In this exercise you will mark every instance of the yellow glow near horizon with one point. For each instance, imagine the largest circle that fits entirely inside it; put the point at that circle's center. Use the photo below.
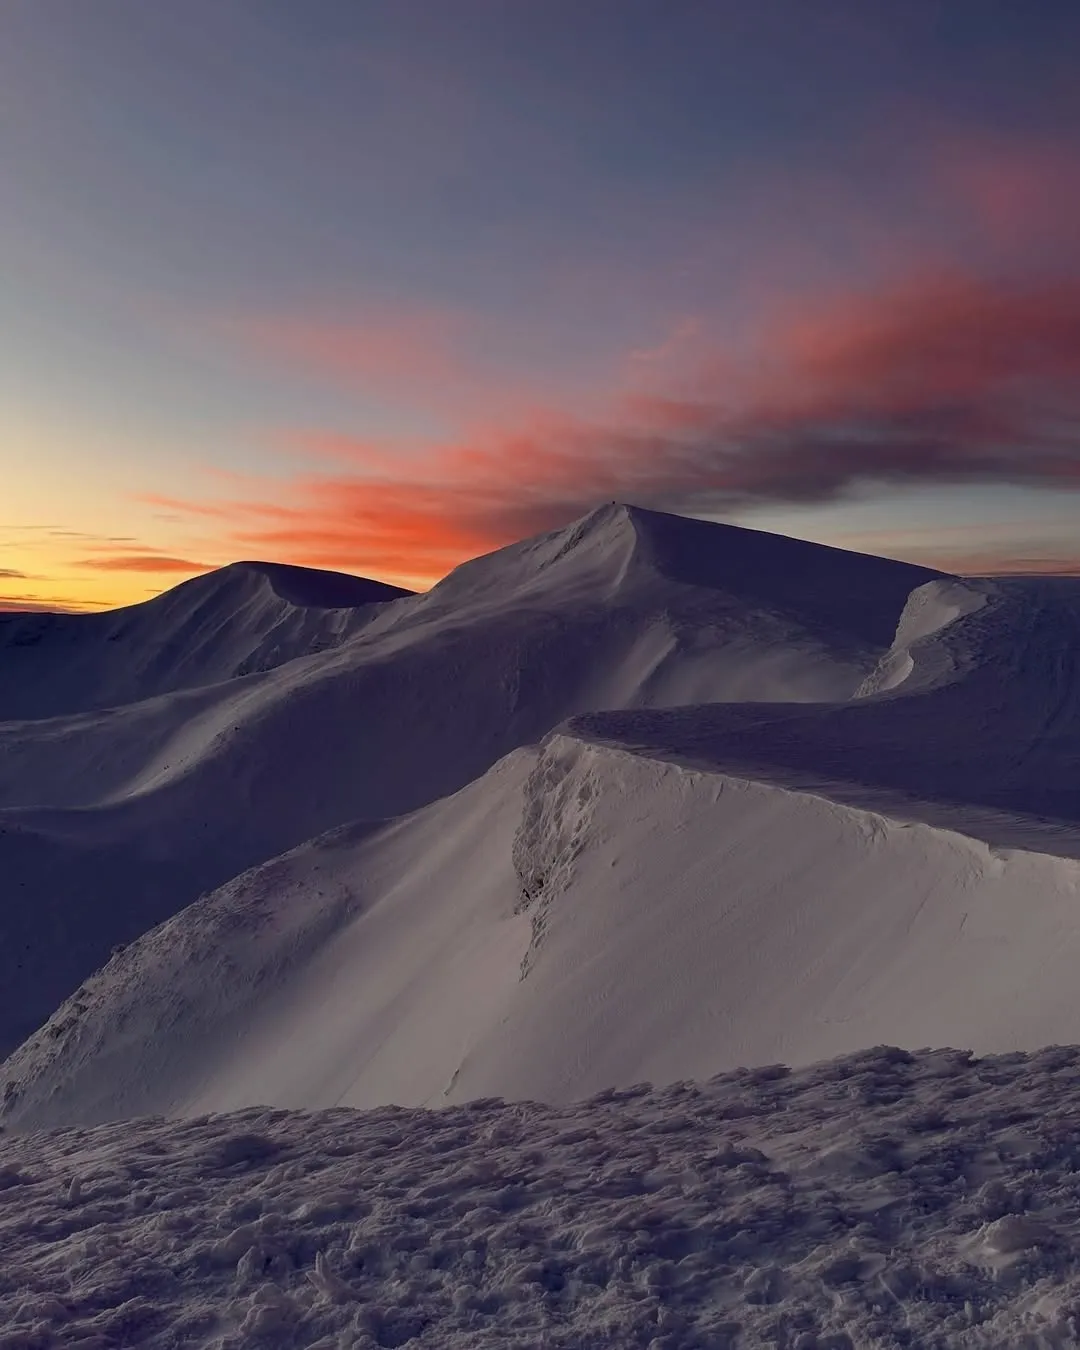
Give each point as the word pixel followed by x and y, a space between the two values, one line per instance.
pixel 66 526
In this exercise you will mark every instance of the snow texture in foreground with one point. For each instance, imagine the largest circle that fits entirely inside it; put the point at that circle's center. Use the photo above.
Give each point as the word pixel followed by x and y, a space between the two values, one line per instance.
pixel 882 1200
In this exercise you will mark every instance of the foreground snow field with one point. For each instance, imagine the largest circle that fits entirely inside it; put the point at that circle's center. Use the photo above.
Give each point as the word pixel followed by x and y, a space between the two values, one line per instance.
pixel 882 1200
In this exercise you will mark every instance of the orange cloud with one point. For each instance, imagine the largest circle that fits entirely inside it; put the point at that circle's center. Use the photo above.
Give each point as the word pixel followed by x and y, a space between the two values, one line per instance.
pixel 143 562
pixel 36 604
pixel 943 379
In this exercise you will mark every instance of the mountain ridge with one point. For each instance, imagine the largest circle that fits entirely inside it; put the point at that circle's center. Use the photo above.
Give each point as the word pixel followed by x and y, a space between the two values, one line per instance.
pixel 407 704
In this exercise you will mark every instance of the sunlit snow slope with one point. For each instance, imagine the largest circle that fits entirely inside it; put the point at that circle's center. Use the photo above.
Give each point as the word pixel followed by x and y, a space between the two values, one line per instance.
pixel 114 818
pixel 576 919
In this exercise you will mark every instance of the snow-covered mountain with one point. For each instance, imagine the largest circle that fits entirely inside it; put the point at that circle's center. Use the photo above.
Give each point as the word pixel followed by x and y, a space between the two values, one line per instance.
pixel 115 818
pixel 581 916
pixel 246 617
pixel 972 718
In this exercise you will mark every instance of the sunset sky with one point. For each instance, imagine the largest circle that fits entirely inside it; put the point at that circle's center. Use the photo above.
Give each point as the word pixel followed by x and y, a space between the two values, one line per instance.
pixel 379 286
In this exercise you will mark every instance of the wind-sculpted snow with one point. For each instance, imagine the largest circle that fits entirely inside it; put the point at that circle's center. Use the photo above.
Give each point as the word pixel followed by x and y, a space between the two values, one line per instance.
pixel 920 637
pixel 880 1202
pixel 983 736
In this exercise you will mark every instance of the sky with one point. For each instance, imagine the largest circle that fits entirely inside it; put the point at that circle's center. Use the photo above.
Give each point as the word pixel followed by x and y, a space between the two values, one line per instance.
pixel 382 286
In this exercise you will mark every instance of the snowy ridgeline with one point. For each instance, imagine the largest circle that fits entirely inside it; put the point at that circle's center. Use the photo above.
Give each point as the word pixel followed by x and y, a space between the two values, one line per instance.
pixel 580 917
pixel 878 1200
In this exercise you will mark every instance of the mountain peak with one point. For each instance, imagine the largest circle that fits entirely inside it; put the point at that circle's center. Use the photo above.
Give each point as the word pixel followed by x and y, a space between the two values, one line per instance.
pixel 618 549
pixel 312 587
pixel 611 514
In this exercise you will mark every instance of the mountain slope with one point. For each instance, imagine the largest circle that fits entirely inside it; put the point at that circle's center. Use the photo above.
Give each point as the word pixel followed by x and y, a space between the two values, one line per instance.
pixel 435 688
pixel 249 616
pixel 576 919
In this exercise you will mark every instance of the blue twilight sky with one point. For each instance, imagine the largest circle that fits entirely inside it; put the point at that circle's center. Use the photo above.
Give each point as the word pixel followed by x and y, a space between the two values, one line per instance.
pixel 382 285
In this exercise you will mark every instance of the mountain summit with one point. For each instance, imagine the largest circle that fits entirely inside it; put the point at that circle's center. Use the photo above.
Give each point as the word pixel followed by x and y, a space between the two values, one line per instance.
pixel 240 618
pixel 620 553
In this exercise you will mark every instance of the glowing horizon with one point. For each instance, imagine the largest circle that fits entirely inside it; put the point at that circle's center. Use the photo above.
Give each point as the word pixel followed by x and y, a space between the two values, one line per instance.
pixel 380 296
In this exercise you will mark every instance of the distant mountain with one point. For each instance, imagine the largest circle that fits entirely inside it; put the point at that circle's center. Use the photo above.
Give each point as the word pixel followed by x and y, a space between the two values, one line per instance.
pixel 133 808
pixel 242 618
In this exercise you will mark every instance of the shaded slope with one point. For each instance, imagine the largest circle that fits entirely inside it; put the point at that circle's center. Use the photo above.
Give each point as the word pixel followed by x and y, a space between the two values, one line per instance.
pixel 70 894
pixel 245 617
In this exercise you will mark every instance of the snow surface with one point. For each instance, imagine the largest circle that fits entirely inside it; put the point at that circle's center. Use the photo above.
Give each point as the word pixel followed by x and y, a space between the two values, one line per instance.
pixel 875 1202
pixel 114 819
pixel 652 893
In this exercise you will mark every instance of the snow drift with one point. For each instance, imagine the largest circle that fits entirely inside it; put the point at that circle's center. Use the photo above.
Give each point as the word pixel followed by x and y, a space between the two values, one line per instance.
pixel 982 731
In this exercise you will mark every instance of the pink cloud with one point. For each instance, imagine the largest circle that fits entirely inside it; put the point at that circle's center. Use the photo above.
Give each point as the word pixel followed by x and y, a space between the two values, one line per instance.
pixel 387 349
pixel 942 379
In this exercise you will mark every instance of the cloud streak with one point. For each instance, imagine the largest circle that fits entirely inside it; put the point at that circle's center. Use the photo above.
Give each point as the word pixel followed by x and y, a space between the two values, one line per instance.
pixel 36 604
pixel 143 562
pixel 944 379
